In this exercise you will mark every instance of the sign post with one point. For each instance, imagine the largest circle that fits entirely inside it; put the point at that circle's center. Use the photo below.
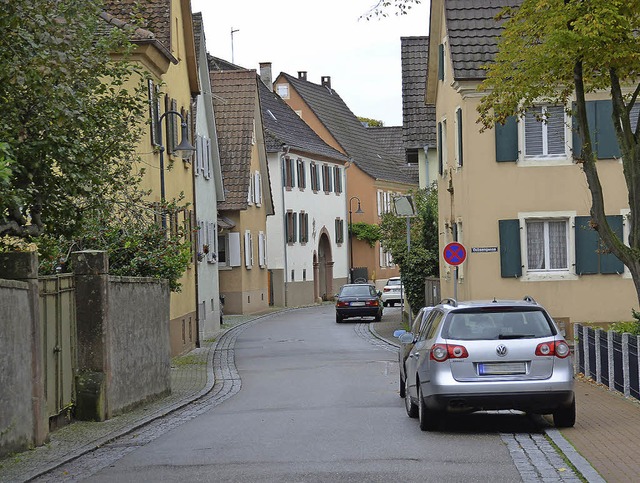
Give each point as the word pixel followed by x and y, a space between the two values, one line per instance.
pixel 454 254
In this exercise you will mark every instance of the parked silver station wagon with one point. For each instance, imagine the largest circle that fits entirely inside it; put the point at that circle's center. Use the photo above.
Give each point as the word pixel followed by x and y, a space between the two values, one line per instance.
pixel 488 355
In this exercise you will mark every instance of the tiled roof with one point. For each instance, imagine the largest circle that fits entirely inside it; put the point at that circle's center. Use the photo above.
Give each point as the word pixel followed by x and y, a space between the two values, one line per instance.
pixel 359 143
pixel 473 34
pixel 391 139
pixel 234 102
pixel 198 31
pixel 215 63
pixel 283 126
pixel 418 118
pixel 156 23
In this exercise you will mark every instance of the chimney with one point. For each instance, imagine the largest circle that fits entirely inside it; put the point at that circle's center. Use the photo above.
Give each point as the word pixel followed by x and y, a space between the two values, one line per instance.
pixel 265 74
pixel 326 81
pixel 302 75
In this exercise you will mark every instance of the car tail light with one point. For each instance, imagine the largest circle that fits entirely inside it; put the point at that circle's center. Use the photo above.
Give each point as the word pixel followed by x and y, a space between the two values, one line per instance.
pixel 442 352
pixel 342 304
pixel 557 348
pixel 386 289
pixel 372 303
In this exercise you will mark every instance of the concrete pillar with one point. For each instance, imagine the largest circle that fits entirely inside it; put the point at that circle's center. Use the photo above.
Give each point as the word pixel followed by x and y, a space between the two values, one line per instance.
pixel 91 270
pixel 23 266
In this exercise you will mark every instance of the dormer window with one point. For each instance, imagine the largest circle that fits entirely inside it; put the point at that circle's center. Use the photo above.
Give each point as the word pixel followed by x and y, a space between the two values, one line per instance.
pixel 283 90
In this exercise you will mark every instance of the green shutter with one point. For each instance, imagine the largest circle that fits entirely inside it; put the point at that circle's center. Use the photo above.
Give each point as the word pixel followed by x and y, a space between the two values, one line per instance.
pixel 591 121
pixel 606 142
pixel 459 121
pixel 507 140
pixel 587 242
pixel 510 262
pixel 609 263
pixel 441 62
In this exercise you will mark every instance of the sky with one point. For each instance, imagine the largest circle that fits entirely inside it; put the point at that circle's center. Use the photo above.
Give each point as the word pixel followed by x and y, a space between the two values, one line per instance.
pixel 324 38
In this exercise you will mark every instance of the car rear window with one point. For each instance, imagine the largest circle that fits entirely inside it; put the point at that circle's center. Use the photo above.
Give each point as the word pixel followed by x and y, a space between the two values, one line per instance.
pixel 393 282
pixel 357 291
pixel 497 325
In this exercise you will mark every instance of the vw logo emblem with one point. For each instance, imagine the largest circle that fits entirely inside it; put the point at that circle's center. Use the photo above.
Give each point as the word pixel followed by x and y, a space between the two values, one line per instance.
pixel 501 350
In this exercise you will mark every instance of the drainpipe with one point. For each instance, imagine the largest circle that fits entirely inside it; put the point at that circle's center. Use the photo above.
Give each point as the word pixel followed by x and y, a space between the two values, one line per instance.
pixel 285 148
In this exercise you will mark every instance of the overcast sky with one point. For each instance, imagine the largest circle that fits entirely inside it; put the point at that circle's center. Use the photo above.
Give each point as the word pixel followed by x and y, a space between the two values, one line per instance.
pixel 324 38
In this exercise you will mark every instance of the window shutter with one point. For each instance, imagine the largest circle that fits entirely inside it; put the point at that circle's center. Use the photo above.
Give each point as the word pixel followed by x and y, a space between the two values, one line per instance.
pixel 440 160
pixel 606 141
pixel 609 263
pixel 441 62
pixel 587 242
pixel 247 249
pixel 207 158
pixel 234 249
pixel 510 261
pixel 459 122
pixel 294 233
pixel 507 140
pixel 261 250
pixel 591 120
pixel 257 186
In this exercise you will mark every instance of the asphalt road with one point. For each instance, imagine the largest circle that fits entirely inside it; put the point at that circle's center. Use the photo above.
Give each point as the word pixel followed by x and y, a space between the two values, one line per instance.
pixel 317 401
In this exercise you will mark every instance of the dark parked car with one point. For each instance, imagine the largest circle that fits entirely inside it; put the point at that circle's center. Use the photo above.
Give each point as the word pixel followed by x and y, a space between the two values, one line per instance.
pixel 358 300
pixel 488 355
pixel 405 349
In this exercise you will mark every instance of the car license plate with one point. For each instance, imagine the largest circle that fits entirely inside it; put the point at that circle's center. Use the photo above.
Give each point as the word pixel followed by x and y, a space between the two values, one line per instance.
pixel 501 368
pixel 357 304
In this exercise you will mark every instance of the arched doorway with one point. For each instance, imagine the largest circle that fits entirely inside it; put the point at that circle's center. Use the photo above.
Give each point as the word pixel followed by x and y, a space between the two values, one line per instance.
pixel 323 268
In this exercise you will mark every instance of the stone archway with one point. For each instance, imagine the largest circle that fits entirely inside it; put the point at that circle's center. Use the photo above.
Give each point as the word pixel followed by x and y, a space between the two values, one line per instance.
pixel 323 267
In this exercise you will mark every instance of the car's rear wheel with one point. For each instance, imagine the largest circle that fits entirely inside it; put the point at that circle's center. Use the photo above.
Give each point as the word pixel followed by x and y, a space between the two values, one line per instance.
pixel 392 304
pixel 429 419
pixel 378 317
pixel 565 417
pixel 384 304
pixel 403 392
pixel 412 409
pixel 339 318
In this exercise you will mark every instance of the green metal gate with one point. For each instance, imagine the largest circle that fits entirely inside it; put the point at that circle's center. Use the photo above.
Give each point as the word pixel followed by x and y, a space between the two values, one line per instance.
pixel 58 326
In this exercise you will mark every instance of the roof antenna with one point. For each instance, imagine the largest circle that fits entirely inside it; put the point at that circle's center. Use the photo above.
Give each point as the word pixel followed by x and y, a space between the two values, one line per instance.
pixel 232 56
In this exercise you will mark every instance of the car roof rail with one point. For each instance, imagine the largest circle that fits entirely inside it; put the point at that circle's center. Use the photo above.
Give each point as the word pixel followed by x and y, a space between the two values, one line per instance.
pixel 450 301
pixel 528 298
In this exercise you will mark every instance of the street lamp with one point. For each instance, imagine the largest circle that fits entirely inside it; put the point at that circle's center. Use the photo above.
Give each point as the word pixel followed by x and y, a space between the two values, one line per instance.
pixel 358 212
pixel 183 150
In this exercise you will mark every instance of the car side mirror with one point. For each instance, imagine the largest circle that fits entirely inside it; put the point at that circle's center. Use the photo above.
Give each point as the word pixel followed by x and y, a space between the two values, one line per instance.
pixel 407 338
pixel 399 332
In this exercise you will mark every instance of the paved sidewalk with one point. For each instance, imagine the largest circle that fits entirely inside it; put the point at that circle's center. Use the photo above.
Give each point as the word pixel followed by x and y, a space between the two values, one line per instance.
pixel 607 430
pixel 606 434
pixel 191 378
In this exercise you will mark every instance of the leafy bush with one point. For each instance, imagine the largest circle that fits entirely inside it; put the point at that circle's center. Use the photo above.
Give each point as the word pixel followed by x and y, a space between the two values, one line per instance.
pixel 630 327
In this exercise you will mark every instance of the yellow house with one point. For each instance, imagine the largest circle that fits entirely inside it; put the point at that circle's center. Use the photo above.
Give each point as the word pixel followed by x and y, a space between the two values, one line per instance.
pixel 242 252
pixel 166 51
pixel 514 196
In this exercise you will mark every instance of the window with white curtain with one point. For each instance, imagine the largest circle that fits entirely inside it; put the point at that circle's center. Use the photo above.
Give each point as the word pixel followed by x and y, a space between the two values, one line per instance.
pixel 547 244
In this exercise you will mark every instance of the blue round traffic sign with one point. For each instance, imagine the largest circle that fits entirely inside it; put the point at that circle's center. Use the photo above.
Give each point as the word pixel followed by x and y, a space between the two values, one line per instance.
pixel 454 253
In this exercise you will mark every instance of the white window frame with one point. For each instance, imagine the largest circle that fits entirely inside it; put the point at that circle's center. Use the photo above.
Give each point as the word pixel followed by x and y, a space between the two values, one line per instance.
pixel 545 160
pixel 283 90
pixel 548 275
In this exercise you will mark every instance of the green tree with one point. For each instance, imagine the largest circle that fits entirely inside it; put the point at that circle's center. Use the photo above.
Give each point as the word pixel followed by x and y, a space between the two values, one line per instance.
pixel 70 124
pixel 371 122
pixel 553 50
pixel 422 258
pixel 382 7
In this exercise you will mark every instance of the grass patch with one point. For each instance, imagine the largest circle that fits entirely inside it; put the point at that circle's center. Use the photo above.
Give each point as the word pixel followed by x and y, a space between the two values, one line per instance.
pixel 566 460
pixel 188 360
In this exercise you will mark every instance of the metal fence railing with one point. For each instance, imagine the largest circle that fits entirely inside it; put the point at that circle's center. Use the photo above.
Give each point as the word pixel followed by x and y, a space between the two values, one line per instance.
pixel 609 358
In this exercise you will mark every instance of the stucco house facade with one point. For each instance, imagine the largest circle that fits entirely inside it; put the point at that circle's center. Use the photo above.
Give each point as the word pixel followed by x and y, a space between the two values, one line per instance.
pixel 307 249
pixel 373 175
pixel 242 252
pixel 165 49
pixel 515 196
pixel 209 191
